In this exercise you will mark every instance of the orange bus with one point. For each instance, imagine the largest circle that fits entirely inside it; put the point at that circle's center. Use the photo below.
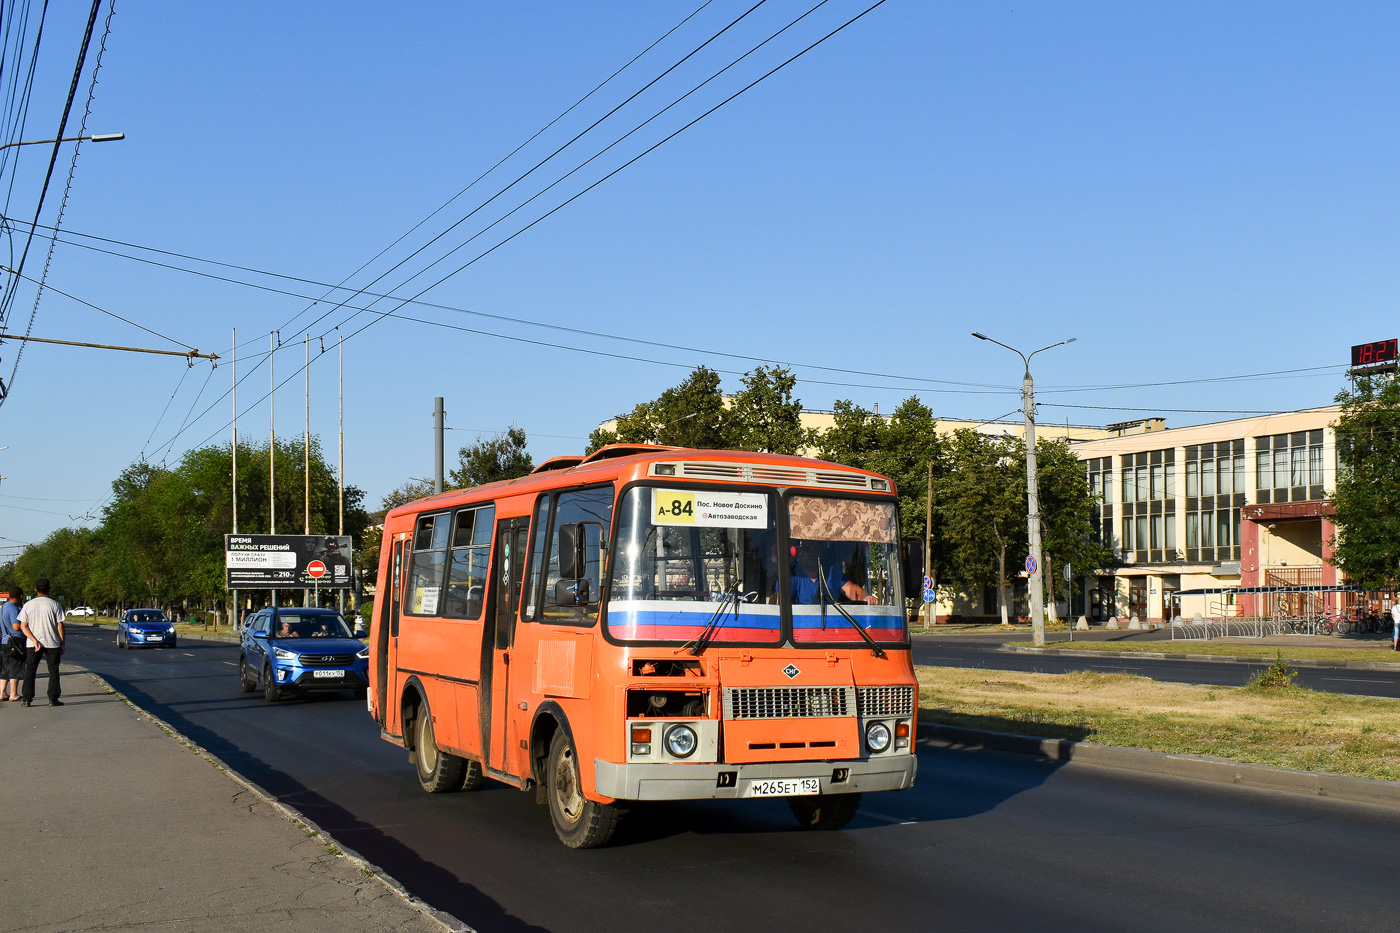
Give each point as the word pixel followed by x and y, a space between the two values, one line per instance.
pixel 651 623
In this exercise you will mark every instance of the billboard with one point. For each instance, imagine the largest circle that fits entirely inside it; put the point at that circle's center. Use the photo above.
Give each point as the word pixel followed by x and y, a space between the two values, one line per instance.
pixel 287 562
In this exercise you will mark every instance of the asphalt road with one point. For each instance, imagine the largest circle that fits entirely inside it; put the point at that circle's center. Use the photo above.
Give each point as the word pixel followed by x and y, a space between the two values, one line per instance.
pixel 985 841
pixel 983 651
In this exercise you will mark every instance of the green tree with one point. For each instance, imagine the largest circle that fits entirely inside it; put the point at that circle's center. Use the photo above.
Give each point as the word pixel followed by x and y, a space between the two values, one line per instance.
pixel 492 459
pixel 765 416
pixel 1066 508
pixel 1367 543
pixel 692 414
pixel 982 501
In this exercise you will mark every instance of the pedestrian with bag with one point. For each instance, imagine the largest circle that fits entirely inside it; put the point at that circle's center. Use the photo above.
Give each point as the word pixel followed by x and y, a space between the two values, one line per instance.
pixel 11 646
pixel 41 621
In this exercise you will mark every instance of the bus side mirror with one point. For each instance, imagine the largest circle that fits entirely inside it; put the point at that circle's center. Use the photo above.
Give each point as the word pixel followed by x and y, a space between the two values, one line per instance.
pixel 913 567
pixel 571 593
pixel 572 558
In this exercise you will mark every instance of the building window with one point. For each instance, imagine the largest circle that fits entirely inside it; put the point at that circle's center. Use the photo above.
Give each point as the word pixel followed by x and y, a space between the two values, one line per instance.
pixel 1149 505
pixel 1289 467
pixel 1100 474
pixel 1213 505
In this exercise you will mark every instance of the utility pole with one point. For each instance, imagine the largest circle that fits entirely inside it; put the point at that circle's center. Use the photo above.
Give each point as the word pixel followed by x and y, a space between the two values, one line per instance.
pixel 272 442
pixel 438 415
pixel 306 462
pixel 928 549
pixel 340 468
pixel 1034 563
pixel 234 616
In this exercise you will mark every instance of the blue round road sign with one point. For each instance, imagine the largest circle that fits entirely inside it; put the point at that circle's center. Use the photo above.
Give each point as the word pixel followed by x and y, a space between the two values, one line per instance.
pixel 929 595
pixel 1030 564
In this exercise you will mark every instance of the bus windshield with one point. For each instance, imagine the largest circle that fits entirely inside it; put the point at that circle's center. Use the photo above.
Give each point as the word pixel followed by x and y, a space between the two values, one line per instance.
pixel 844 552
pixel 683 555
pixel 692 561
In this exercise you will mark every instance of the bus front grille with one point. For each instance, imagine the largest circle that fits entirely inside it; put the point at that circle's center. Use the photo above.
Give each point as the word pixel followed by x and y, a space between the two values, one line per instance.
pixel 788 702
pixel 885 701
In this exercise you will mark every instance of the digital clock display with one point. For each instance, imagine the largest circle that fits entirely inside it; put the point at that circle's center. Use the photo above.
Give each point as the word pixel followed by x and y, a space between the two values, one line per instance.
pixel 1377 351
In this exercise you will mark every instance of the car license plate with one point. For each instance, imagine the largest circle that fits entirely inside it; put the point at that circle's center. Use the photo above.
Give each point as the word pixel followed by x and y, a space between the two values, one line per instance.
pixel 154 637
pixel 788 787
pixel 326 674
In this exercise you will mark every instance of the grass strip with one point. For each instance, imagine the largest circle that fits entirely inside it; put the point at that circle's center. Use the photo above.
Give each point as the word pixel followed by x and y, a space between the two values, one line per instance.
pixel 1287 727
pixel 1225 649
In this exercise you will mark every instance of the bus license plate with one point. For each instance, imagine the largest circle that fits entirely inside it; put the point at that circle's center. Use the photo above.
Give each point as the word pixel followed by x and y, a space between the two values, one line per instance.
pixel 320 674
pixel 793 787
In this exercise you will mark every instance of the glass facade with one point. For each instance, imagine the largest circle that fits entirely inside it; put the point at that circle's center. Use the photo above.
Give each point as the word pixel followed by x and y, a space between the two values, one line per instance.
pixel 1148 485
pixel 1215 493
pixel 1289 467
pixel 1100 476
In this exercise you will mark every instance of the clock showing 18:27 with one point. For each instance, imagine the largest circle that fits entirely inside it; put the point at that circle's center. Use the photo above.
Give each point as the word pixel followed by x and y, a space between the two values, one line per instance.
pixel 1377 351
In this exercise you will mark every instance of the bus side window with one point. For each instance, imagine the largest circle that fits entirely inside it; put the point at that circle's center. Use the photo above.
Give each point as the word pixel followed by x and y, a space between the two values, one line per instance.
pixel 540 529
pixel 588 513
pixel 428 564
pixel 466 569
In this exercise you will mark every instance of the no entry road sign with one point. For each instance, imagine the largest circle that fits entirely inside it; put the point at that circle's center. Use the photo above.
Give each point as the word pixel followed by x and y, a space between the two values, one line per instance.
pixel 316 569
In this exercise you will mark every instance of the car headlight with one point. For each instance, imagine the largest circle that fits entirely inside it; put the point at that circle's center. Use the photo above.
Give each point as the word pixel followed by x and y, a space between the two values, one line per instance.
pixel 363 652
pixel 877 737
pixel 681 741
pixel 282 654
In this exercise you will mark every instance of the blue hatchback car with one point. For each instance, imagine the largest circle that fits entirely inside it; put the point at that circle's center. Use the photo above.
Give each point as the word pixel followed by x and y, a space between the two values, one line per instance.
pixel 145 628
pixel 300 651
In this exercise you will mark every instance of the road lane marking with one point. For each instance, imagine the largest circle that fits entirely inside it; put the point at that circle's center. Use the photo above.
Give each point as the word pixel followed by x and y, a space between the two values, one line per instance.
pixel 229 663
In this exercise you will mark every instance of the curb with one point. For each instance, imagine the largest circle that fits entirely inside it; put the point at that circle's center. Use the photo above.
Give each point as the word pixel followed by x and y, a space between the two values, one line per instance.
pixel 1209 658
pixel 442 918
pixel 1194 767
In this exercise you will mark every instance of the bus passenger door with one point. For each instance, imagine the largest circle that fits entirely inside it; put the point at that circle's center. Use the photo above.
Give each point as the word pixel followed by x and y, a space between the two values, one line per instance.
pixel 508 575
pixel 386 636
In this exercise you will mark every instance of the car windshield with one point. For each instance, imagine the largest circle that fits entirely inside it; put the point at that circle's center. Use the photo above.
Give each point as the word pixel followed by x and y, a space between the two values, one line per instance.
pixel 146 615
pixel 846 552
pixel 310 625
pixel 691 561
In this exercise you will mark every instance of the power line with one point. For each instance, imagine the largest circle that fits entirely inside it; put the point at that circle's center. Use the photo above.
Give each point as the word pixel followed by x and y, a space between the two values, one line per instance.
pixel 43 191
pixel 94 307
pixel 570 109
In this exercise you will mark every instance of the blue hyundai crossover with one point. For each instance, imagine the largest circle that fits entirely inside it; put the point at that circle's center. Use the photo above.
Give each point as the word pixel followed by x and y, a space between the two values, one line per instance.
pixel 145 628
pixel 301 651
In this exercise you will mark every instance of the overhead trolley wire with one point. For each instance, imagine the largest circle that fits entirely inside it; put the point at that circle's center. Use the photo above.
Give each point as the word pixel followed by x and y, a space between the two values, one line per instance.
pixel 579 167
pixel 68 184
pixel 536 166
pixel 570 109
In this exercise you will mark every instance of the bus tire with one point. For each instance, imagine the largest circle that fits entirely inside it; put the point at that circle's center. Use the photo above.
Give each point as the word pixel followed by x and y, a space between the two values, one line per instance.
pixel 473 775
pixel 824 811
pixel 579 823
pixel 438 772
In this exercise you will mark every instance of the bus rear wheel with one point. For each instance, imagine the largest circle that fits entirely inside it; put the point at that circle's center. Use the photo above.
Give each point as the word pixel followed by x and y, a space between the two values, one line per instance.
pixel 438 771
pixel 579 823
pixel 473 775
pixel 824 811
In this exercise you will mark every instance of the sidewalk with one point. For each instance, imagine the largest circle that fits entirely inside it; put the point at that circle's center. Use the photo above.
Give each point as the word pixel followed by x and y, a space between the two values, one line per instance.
pixel 112 823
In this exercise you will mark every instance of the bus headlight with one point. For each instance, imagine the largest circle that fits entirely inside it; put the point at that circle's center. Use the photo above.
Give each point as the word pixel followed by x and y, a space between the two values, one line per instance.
pixel 681 741
pixel 877 737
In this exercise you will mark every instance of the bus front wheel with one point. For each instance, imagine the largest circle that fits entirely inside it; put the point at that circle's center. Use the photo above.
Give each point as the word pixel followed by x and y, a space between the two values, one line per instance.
pixel 438 771
pixel 579 823
pixel 824 811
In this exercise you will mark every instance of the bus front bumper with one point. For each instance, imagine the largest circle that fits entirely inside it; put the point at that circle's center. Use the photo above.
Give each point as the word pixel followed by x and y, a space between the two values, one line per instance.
pixel 676 781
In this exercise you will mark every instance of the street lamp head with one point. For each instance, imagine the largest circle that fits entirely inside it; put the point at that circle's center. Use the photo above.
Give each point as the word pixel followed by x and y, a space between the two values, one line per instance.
pixel 106 137
pixel 980 336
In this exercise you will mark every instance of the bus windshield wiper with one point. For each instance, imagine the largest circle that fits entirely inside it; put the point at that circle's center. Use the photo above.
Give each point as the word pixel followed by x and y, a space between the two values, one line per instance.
pixel 824 594
pixel 698 643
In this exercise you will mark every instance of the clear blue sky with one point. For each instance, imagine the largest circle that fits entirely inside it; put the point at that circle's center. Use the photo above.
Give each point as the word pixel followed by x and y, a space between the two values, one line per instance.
pixel 1192 190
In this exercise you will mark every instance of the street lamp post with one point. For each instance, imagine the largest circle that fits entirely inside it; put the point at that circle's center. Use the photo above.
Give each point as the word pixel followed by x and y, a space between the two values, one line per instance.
pixel 1037 563
pixel 93 137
